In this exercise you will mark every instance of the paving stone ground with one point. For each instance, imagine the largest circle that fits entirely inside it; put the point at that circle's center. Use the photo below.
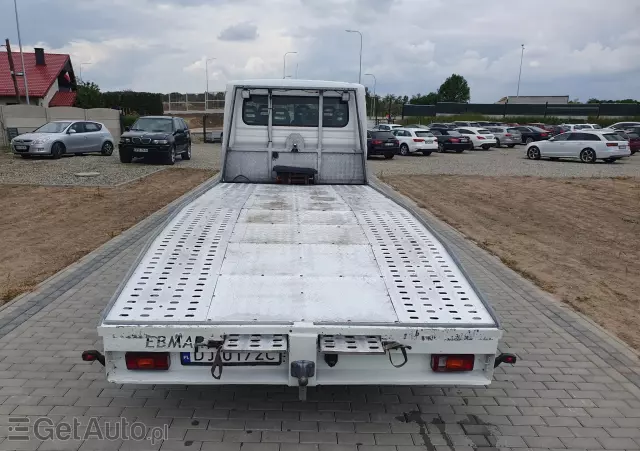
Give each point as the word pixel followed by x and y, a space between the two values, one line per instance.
pixel 573 388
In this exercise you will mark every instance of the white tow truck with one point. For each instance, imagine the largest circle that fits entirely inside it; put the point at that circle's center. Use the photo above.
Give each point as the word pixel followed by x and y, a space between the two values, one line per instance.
pixel 295 269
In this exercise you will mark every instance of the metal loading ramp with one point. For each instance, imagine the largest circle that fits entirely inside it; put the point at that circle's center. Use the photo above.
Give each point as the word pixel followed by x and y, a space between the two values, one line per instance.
pixel 244 253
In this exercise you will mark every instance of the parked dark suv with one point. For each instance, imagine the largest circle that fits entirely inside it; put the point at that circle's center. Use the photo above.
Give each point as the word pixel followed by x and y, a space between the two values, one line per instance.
pixel 149 136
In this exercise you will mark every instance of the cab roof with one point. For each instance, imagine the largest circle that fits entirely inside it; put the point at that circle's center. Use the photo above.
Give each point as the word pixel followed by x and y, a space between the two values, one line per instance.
pixel 294 83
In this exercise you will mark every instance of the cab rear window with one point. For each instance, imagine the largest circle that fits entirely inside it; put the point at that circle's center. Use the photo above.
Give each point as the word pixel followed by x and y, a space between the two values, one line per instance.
pixel 295 111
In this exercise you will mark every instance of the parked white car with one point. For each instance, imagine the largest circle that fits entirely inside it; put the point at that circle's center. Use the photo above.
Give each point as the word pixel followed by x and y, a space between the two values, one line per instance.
pixel 586 145
pixel 414 140
pixel 386 127
pixel 480 137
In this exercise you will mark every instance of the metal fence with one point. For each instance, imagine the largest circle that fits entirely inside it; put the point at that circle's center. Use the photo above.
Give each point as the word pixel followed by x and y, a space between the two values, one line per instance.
pixel 515 109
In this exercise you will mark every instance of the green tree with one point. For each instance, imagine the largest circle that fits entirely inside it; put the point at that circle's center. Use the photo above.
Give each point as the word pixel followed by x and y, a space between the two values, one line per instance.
pixel 454 89
pixel 429 99
pixel 88 95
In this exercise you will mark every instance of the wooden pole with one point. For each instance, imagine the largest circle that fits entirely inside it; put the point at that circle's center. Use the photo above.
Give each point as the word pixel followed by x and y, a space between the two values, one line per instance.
pixel 12 70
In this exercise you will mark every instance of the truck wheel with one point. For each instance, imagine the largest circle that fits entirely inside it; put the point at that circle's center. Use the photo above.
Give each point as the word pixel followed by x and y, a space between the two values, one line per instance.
pixel 388 156
pixel 404 150
pixel 187 155
pixel 107 149
pixel 125 156
pixel 57 150
pixel 426 153
pixel 170 157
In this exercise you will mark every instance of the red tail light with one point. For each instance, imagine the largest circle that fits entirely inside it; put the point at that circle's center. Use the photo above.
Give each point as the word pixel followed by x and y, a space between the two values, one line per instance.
pixel 418 140
pixel 480 137
pixel 147 360
pixel 543 134
pixel 612 144
pixel 442 363
pixel 455 140
pixel 397 143
pixel 376 142
pixel 508 134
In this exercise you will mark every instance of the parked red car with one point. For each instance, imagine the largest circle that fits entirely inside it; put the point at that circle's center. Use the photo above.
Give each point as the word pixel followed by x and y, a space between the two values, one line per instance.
pixel 634 139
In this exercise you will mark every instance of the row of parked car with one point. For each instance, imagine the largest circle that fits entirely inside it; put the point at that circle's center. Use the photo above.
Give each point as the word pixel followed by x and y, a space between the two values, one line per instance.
pixel 588 142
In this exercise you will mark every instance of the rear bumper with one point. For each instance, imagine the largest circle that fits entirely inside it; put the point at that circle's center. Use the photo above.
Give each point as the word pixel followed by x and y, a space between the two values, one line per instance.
pixel 303 344
pixel 417 147
pixel 383 150
pixel 613 153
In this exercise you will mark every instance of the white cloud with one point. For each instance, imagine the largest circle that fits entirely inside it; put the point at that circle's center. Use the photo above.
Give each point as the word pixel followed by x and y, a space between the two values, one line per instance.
pixel 586 51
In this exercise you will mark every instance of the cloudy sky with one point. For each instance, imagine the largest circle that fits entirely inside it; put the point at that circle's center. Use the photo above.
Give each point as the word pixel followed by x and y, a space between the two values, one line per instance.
pixel 581 48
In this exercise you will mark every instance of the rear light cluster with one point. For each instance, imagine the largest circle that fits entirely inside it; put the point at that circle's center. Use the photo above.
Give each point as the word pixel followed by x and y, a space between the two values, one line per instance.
pixel 508 134
pixel 418 140
pixel 455 140
pixel 481 137
pixel 376 142
pixel 147 360
pixel 612 144
pixel 397 143
pixel 446 363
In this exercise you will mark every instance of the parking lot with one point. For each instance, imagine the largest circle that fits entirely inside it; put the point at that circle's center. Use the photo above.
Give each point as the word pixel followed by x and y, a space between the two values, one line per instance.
pixel 574 387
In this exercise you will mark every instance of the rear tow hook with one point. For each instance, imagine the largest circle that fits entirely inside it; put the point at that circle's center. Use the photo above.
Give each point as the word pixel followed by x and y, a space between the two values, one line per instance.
pixel 303 370
pixel 505 358
pixel 92 356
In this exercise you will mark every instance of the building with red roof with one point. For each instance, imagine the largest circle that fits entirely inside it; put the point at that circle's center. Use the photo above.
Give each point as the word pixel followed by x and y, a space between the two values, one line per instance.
pixel 50 79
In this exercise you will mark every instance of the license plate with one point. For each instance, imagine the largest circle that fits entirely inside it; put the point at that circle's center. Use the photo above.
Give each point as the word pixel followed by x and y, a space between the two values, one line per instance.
pixel 622 147
pixel 231 358
pixel 429 142
pixel 388 144
pixel 137 149
pixel 21 147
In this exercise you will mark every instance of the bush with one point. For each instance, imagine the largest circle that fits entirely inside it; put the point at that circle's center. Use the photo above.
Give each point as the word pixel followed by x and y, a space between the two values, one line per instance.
pixel 128 120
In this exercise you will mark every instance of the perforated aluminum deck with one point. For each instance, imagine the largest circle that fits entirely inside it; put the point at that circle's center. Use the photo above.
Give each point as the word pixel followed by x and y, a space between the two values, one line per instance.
pixel 351 344
pixel 262 343
pixel 281 254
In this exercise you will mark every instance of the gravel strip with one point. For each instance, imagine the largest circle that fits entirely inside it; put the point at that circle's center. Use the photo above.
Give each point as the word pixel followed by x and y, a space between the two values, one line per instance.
pixel 46 171
pixel 498 162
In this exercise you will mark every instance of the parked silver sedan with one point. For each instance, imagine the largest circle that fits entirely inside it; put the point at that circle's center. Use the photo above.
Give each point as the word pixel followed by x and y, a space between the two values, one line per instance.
pixel 507 136
pixel 64 137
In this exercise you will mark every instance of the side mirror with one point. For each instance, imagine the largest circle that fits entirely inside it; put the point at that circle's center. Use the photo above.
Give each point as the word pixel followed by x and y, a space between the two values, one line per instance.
pixel 126 129
pixel 71 131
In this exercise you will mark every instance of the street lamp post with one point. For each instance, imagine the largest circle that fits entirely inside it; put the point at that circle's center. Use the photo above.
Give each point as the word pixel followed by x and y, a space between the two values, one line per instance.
pixel 375 82
pixel 360 72
pixel 206 72
pixel 520 73
pixel 82 64
pixel 284 63
pixel 24 71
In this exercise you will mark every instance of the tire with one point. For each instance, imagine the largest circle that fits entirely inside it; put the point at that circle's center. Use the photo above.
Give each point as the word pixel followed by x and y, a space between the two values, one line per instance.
pixel 472 147
pixel 533 153
pixel 125 156
pixel 588 155
pixel 57 149
pixel 441 147
pixel 610 160
pixel 497 142
pixel 426 153
pixel 187 154
pixel 459 150
pixel 404 150
pixel 388 156
pixel 486 147
pixel 529 140
pixel 107 149
pixel 511 146
pixel 554 158
pixel 170 157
